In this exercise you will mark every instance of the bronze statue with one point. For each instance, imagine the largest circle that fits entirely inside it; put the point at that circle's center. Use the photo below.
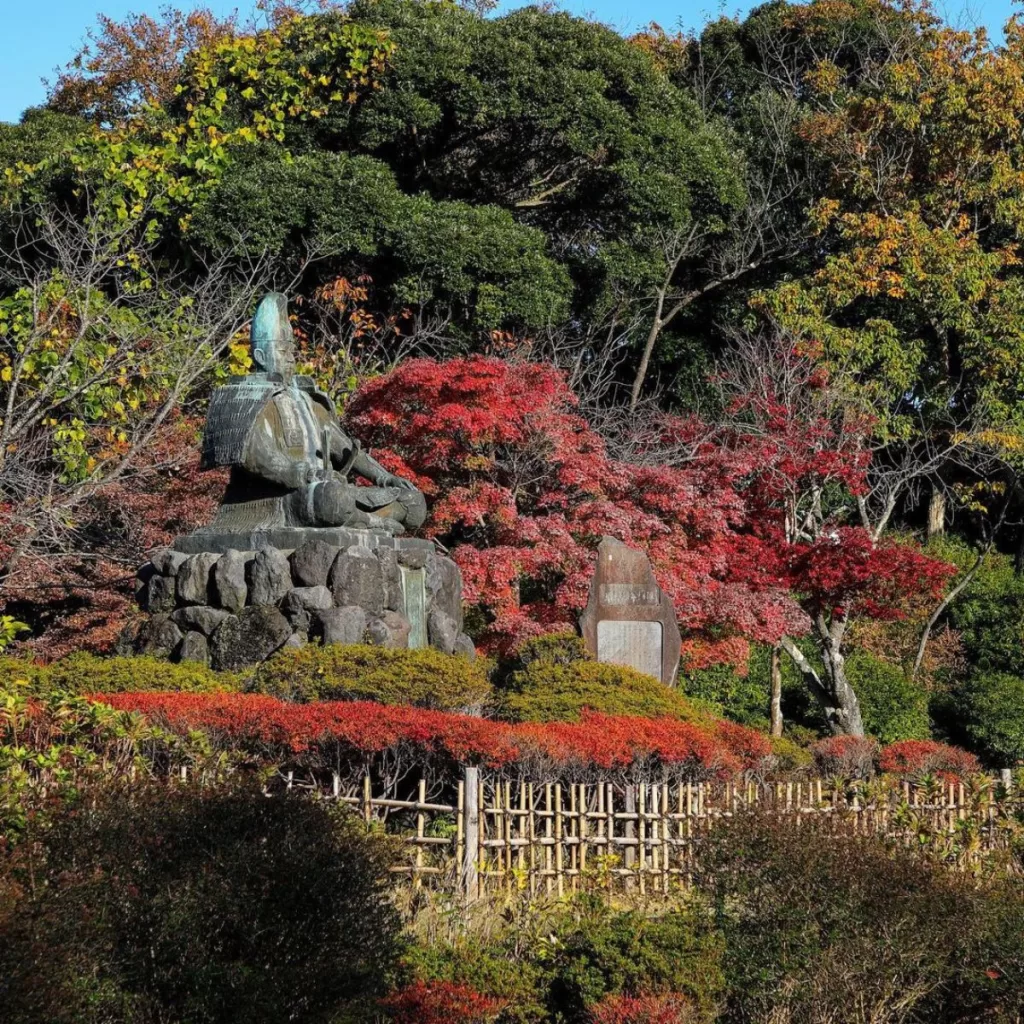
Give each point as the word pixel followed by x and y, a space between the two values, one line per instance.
pixel 290 460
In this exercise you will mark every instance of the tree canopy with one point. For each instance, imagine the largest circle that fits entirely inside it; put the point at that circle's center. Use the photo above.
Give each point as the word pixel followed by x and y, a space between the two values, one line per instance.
pixel 750 298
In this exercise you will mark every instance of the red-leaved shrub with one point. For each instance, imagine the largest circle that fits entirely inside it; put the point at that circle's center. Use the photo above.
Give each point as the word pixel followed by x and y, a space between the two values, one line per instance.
pixel 671 1008
pixel 357 733
pixel 848 757
pixel 441 1002
pixel 916 758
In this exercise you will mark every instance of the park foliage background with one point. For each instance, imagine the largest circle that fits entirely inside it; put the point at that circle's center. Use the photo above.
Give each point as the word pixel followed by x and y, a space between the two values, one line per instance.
pixel 750 300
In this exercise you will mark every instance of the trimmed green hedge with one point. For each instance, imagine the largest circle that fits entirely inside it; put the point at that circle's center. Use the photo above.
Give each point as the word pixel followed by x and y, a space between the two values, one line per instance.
pixel 89 673
pixel 552 680
pixel 424 678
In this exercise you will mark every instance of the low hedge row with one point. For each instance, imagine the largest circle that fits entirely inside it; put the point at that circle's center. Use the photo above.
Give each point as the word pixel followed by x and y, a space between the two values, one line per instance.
pixel 358 733
pixel 551 680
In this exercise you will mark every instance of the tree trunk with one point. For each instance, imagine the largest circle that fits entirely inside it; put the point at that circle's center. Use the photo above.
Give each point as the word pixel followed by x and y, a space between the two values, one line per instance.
pixel 645 358
pixel 844 717
pixel 936 513
pixel 776 705
pixel 834 693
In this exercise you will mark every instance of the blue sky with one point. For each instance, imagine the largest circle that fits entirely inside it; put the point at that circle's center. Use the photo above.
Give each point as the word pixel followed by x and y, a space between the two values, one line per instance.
pixel 39 36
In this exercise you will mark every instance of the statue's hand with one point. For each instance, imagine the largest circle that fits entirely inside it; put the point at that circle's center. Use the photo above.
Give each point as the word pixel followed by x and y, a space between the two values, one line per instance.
pixel 399 481
pixel 386 479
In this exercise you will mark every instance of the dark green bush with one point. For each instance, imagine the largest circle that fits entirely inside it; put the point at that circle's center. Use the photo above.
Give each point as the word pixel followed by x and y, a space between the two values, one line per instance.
pixel 425 677
pixel 555 966
pixel 611 952
pixel 894 707
pixel 744 697
pixel 166 904
pixel 989 614
pixel 991 706
pixel 492 967
pixel 738 697
pixel 820 925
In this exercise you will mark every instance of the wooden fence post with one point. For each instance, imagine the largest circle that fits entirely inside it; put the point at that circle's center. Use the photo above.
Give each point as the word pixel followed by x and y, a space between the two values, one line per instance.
pixel 629 860
pixel 469 868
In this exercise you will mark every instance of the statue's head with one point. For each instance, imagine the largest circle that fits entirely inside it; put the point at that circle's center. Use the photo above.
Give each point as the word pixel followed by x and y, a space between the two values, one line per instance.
pixel 271 340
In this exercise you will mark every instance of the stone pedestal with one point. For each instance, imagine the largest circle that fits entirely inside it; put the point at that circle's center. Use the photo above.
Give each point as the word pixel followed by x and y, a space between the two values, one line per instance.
pixel 628 620
pixel 230 599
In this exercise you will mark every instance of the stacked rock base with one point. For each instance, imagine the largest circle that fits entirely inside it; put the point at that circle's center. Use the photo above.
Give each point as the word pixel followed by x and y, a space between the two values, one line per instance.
pixel 234 607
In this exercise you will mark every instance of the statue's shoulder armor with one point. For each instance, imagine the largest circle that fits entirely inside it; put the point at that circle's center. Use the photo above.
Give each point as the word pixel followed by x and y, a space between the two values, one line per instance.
pixel 308 385
pixel 233 410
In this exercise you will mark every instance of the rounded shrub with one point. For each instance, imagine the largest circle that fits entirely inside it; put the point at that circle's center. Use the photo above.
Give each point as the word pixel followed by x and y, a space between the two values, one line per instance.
pixel 84 673
pixel 212 905
pixel 740 696
pixel 545 692
pixel 488 966
pixel 846 757
pixel 789 756
pixel 424 678
pixel 549 649
pixel 992 713
pixel 609 953
pixel 917 759
pixel 820 924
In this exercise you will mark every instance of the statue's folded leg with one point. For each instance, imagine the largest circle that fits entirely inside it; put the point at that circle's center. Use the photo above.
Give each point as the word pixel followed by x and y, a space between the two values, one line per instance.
pixel 326 503
pixel 403 504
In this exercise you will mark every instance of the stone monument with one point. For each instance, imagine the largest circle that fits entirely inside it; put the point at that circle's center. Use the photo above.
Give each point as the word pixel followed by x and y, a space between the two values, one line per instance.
pixel 629 620
pixel 299 548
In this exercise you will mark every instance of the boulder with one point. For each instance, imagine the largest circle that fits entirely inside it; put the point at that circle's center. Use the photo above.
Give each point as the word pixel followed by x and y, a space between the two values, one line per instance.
pixel 414 557
pixel 299 602
pixel 195 647
pixel 160 595
pixel 229 586
pixel 142 578
pixel 270 577
pixel 194 578
pixel 167 561
pixel 159 638
pixel 465 647
pixel 341 625
pixel 390 630
pixel 443 631
pixel 248 638
pixel 313 599
pixel 444 587
pixel 311 563
pixel 356 579
pixel 200 617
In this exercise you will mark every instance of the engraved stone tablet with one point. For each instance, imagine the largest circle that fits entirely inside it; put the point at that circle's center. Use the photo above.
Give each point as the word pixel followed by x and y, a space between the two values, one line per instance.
pixel 633 644
pixel 629 621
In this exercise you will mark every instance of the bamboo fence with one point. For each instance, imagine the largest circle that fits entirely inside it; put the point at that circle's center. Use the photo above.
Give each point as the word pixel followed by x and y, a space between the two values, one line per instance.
pixel 556 838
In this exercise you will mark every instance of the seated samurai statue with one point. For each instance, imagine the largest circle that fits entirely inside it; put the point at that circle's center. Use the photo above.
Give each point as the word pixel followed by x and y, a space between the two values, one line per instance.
pixel 291 463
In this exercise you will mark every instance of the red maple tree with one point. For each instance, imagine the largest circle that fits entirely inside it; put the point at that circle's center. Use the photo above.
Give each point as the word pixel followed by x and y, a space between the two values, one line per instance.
pixel 523 490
